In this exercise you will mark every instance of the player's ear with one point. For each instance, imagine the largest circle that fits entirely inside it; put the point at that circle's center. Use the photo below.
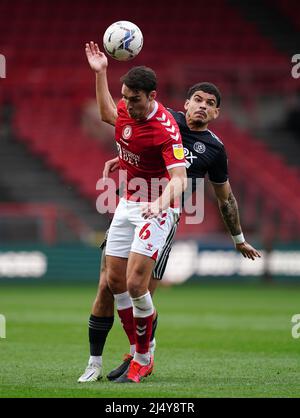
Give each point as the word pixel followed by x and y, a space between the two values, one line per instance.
pixel 217 112
pixel 186 104
pixel 152 95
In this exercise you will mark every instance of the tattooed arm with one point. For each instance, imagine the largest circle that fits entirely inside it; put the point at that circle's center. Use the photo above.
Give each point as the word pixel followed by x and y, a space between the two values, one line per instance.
pixel 230 214
pixel 228 207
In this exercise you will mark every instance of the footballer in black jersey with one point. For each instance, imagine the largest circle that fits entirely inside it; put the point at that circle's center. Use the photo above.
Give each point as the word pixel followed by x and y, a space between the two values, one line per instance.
pixel 204 154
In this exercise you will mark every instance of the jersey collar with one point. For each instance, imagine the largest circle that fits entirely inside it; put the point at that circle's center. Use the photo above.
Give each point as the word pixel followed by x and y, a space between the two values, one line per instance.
pixel 153 111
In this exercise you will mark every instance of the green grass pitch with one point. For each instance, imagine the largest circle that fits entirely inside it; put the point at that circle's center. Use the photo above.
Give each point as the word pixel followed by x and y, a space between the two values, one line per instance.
pixel 212 341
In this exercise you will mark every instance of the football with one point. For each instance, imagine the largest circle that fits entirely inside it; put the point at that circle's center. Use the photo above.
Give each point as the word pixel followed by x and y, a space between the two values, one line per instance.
pixel 123 40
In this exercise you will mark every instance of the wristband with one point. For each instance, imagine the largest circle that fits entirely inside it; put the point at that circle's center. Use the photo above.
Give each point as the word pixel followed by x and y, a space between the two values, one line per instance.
pixel 238 239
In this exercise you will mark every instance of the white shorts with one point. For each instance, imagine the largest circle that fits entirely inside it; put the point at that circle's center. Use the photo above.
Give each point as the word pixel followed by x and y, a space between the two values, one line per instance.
pixel 129 231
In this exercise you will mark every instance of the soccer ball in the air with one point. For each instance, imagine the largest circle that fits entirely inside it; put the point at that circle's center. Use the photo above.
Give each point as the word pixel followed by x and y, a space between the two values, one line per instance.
pixel 123 40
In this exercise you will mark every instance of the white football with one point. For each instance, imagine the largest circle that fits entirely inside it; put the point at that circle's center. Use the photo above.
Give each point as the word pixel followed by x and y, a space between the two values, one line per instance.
pixel 123 40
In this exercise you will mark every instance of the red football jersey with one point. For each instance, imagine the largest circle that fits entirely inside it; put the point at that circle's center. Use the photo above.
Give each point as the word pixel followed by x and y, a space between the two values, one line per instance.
pixel 147 149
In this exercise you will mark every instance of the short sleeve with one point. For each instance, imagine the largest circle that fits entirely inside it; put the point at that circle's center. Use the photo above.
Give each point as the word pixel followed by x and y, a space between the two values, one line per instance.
pixel 173 152
pixel 218 171
pixel 172 148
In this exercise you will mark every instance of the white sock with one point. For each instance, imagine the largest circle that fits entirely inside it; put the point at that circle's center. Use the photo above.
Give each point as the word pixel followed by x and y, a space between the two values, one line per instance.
pixel 95 360
pixel 123 300
pixel 142 306
pixel 142 359
pixel 132 349
pixel 152 346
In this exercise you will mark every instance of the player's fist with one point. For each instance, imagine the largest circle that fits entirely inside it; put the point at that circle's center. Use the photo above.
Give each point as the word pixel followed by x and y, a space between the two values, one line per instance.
pixel 96 58
pixel 110 166
pixel 151 210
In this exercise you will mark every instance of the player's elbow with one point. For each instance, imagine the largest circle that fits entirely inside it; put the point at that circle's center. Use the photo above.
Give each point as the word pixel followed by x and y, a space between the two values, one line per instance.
pixel 107 115
pixel 183 179
pixel 182 183
pixel 180 174
pixel 222 201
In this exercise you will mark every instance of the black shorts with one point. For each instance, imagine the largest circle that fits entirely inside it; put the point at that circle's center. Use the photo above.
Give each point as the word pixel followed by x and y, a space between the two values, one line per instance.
pixel 161 263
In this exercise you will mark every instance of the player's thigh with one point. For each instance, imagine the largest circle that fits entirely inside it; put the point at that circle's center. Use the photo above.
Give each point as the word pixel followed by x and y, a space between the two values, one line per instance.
pixel 121 233
pixel 151 234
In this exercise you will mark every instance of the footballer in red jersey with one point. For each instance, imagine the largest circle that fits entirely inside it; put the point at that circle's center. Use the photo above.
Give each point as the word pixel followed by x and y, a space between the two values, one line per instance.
pixel 150 148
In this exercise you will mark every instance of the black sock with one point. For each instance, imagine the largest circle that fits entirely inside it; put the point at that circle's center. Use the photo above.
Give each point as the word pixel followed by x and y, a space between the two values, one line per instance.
pixel 154 325
pixel 99 327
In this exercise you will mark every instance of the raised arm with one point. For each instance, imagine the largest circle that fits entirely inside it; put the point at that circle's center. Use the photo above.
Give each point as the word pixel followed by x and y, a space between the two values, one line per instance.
pixel 230 214
pixel 98 63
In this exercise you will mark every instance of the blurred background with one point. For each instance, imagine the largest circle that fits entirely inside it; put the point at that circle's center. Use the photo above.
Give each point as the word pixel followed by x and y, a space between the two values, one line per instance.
pixel 53 145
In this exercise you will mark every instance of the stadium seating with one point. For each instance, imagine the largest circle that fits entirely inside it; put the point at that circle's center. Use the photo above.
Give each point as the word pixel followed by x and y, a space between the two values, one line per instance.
pixel 268 186
pixel 49 79
pixel 291 10
pixel 47 38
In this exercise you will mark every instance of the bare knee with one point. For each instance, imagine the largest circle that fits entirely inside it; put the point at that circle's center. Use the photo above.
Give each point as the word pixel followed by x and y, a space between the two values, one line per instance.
pixel 116 286
pixel 116 274
pixel 136 284
pixel 138 274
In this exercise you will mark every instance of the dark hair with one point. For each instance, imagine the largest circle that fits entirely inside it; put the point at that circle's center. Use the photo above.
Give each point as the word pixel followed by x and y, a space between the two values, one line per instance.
pixel 209 88
pixel 140 78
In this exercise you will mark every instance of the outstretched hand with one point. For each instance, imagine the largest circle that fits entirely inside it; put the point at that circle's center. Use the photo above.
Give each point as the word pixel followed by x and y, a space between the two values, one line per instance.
pixel 97 60
pixel 247 250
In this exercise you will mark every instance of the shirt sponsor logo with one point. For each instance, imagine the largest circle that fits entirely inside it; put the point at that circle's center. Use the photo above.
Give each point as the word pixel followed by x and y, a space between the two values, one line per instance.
pixel 199 147
pixel 189 157
pixel 128 156
pixel 178 151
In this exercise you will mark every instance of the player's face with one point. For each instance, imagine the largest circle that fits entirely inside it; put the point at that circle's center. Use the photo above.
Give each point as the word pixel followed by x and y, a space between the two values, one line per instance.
pixel 201 108
pixel 138 104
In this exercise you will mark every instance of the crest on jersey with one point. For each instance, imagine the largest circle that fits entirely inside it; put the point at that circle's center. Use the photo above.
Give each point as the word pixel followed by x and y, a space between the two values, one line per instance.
pixel 127 132
pixel 178 151
pixel 199 147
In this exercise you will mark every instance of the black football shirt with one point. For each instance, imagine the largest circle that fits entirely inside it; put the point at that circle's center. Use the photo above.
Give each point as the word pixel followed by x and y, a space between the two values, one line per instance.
pixel 204 152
